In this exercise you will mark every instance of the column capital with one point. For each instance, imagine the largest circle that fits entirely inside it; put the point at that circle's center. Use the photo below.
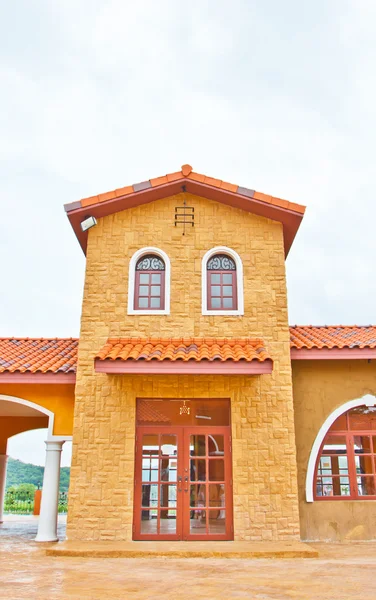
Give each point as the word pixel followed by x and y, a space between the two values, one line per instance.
pixel 53 446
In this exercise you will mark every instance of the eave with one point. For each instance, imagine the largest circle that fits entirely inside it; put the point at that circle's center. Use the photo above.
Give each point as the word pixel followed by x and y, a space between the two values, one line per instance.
pixel 333 353
pixel 180 367
pixel 243 199
pixel 38 378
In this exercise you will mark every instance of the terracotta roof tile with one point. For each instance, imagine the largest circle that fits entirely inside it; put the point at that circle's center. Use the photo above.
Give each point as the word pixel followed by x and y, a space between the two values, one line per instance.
pixel 333 336
pixel 38 355
pixel 187 172
pixel 59 355
pixel 185 349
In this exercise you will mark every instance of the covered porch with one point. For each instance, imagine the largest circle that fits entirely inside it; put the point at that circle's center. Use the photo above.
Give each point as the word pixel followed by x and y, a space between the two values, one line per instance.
pixel 37 379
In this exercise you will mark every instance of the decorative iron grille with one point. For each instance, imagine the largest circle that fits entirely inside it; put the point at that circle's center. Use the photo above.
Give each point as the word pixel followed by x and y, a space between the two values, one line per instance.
pixel 221 262
pixel 150 263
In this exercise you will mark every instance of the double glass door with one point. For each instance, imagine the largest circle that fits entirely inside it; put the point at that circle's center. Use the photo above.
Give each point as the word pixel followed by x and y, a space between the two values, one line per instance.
pixel 183 488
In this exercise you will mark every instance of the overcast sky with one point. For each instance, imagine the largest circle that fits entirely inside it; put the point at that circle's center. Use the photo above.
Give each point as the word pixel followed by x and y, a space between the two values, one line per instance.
pixel 275 96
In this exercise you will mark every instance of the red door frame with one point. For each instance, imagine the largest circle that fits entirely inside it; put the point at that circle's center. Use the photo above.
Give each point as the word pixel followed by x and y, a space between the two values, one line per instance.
pixel 183 508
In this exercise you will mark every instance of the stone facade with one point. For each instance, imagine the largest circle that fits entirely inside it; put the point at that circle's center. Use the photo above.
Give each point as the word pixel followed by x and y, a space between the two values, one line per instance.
pixel 263 441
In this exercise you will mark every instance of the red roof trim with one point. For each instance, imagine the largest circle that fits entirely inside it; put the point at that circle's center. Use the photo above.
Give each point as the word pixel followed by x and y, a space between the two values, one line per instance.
pixel 45 378
pixel 333 353
pixel 181 367
pixel 288 216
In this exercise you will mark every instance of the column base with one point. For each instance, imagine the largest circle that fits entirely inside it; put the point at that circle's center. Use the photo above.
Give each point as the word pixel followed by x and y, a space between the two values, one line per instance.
pixel 45 538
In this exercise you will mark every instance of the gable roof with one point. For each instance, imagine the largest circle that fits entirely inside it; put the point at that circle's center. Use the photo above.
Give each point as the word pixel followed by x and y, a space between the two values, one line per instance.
pixel 287 213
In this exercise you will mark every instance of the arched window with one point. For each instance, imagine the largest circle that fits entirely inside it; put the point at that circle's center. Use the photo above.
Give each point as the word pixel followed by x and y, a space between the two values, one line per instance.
pixel 149 282
pixel 222 282
pixel 346 463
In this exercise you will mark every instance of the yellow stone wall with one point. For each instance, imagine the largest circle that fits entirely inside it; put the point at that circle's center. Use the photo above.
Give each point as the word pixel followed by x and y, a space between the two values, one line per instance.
pixel 264 461
pixel 319 388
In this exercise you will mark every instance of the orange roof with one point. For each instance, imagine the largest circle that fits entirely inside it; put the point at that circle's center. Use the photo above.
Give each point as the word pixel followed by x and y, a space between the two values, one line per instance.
pixel 185 349
pixel 288 213
pixel 333 336
pixel 59 355
pixel 187 172
pixel 38 355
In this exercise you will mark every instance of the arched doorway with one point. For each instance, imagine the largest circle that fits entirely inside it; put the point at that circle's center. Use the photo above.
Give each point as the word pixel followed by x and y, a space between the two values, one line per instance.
pixel 18 415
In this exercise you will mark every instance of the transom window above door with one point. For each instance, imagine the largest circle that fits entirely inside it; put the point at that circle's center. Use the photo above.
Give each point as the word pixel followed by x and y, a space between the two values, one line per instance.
pixel 149 283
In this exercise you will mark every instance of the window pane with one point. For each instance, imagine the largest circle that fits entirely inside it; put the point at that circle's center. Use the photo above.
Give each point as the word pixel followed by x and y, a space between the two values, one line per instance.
pixel 198 496
pixel 215 290
pixel 197 445
pixel 156 278
pixel 143 290
pixel 216 278
pixel 155 290
pixel 155 302
pixel 168 469
pixel 150 495
pixel 150 445
pixel 364 465
pixel 215 303
pixel 144 278
pixel 216 470
pixel 143 302
pixel 226 278
pixel 217 522
pixel 333 465
pixel 335 444
pixel 148 522
pixel 169 445
pixel 333 486
pixel 227 290
pixel 362 444
pixel 216 444
pixel 217 495
pixel 227 302
pixel 366 486
pixel 168 522
pixel 198 469
pixel 198 522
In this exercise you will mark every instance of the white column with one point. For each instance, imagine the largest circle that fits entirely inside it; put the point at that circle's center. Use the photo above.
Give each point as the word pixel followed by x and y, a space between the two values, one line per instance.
pixel 47 526
pixel 3 478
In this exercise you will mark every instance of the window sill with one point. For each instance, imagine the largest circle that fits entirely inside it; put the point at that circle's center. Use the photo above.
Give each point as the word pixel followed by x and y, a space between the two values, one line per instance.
pixel 227 313
pixel 148 312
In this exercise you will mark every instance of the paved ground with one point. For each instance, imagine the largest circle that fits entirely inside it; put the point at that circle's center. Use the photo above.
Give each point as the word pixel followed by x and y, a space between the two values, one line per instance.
pixel 342 572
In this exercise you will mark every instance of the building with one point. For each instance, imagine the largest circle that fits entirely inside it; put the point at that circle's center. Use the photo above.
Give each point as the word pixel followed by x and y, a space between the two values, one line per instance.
pixel 196 412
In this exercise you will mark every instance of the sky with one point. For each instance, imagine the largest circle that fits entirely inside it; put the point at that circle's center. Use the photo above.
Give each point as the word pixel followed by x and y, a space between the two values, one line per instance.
pixel 274 96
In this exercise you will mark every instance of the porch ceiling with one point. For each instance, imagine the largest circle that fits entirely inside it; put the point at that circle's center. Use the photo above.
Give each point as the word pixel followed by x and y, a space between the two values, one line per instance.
pixel 14 409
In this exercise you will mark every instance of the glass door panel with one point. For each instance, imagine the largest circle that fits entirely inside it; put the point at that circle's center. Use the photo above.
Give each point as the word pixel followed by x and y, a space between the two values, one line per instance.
pixel 156 485
pixel 183 484
pixel 207 461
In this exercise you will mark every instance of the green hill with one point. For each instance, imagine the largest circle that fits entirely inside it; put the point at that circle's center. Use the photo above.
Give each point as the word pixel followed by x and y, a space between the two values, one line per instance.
pixel 20 472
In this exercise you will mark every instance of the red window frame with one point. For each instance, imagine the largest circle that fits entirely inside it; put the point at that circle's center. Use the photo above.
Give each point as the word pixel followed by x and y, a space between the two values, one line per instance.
pixel 221 285
pixel 149 285
pixel 356 478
